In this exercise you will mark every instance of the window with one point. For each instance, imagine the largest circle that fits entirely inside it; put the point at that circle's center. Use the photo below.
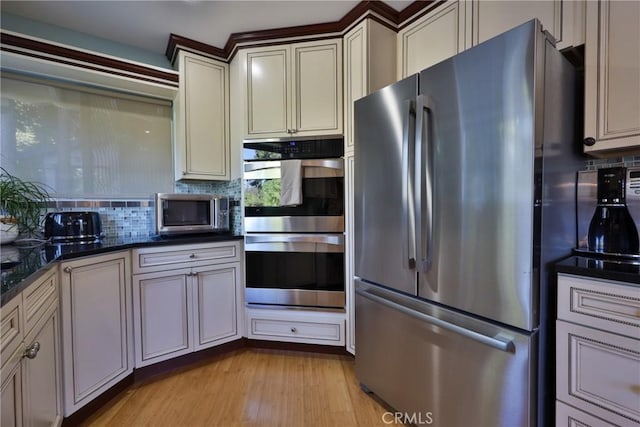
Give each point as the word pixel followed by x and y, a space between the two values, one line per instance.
pixel 85 143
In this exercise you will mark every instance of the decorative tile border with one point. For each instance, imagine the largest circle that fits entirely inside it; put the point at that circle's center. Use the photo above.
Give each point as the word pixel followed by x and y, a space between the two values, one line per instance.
pixel 628 161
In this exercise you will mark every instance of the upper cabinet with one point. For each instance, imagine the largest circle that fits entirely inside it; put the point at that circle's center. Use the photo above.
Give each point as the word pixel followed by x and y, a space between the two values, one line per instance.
pixel 457 25
pixel 563 19
pixel 438 35
pixel 369 54
pixel 294 89
pixel 201 112
pixel 612 78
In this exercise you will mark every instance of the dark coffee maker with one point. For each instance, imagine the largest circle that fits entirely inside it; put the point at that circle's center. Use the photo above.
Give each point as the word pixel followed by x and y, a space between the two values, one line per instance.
pixel 612 229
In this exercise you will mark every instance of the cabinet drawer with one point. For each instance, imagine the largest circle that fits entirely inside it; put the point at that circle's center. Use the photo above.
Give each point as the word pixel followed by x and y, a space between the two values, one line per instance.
pixel 598 372
pixel 311 327
pixel 156 259
pixel 568 416
pixel 38 297
pixel 11 328
pixel 607 305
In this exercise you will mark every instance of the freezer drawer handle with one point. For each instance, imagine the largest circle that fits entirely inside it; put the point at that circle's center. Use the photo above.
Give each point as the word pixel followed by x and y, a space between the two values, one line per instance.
pixel 503 343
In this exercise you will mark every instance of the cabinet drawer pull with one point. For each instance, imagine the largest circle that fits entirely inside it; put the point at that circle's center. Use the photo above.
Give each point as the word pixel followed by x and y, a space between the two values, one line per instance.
pixel 32 352
pixel 294 330
pixel 192 256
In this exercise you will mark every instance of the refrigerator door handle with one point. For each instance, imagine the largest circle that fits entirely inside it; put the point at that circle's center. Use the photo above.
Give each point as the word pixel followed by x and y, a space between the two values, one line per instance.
pixel 501 341
pixel 424 185
pixel 408 208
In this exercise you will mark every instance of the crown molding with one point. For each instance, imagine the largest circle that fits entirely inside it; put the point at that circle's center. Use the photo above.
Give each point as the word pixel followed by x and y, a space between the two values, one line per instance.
pixel 55 53
pixel 376 10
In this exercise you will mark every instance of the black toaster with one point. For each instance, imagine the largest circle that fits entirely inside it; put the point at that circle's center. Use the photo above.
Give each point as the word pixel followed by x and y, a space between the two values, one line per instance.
pixel 73 226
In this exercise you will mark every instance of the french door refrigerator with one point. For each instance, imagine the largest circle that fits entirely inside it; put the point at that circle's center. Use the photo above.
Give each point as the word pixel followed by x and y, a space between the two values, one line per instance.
pixel 464 193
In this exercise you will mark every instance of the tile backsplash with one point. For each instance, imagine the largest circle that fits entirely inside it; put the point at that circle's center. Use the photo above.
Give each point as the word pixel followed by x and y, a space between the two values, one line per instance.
pixel 134 218
pixel 628 161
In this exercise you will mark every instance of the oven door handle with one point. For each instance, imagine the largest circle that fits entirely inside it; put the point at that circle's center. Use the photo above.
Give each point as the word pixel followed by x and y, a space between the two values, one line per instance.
pixel 337 239
pixel 337 164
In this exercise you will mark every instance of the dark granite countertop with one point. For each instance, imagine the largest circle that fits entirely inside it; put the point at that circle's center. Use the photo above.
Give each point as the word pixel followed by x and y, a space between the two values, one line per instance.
pixel 622 270
pixel 33 261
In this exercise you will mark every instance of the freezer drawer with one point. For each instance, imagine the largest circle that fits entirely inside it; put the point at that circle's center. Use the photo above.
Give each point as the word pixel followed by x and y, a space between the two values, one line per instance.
pixel 425 361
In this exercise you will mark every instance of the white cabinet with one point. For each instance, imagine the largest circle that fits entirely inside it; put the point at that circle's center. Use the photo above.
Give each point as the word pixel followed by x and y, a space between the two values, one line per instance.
pixel 41 376
pixel 563 19
pixel 612 78
pixel 309 327
pixel 11 393
pixel 216 303
pixel 440 34
pixel 96 326
pixel 598 351
pixel 201 111
pixel 162 304
pixel 186 298
pixel 31 374
pixel 294 89
pixel 369 53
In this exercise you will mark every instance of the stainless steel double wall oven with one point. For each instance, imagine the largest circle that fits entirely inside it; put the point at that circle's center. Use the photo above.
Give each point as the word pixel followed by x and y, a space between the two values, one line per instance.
pixel 294 248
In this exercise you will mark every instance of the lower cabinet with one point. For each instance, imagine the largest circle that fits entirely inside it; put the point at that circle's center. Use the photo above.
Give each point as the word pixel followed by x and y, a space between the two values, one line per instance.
pixel 31 375
pixel 182 310
pixel 310 327
pixel 96 326
pixel 598 352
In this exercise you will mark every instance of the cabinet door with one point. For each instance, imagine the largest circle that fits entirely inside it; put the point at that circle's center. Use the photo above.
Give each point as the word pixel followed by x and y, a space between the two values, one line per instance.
pixel 612 78
pixel 41 375
pixel 162 310
pixel 96 326
pixel 202 138
pixel 217 293
pixel 495 17
pixel 11 393
pixel 268 92
pixel 317 90
pixel 598 372
pixel 438 35
pixel 369 52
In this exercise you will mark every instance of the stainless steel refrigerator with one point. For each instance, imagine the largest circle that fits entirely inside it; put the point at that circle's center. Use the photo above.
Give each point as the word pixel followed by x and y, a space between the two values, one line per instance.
pixel 464 193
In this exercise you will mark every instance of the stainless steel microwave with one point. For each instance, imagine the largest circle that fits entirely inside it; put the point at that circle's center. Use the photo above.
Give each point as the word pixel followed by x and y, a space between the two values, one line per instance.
pixel 190 213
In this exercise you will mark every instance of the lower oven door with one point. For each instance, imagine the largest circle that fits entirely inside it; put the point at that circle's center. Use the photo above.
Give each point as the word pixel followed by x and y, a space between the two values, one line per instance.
pixel 295 270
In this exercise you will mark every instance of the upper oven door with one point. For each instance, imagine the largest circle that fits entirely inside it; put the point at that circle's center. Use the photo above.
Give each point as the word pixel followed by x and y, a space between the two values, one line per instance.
pixel 322 190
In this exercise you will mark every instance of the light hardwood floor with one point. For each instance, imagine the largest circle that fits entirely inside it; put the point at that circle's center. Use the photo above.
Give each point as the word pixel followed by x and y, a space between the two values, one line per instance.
pixel 249 387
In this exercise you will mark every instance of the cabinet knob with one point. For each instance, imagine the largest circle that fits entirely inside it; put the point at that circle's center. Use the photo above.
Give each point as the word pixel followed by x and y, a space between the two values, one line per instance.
pixel 68 269
pixel 294 330
pixel 32 351
pixel 192 256
pixel 589 141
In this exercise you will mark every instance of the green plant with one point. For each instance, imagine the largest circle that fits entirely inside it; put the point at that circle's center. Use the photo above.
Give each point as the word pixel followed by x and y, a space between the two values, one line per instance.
pixel 22 202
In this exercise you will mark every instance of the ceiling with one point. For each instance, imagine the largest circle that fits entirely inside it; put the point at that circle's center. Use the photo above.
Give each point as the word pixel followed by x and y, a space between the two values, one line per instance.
pixel 148 24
